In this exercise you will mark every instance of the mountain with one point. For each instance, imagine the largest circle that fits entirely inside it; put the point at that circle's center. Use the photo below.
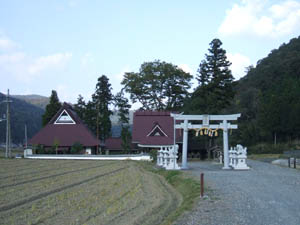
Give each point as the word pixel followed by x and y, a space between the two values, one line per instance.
pixel 21 113
pixel 269 97
pixel 37 100
pixel 114 118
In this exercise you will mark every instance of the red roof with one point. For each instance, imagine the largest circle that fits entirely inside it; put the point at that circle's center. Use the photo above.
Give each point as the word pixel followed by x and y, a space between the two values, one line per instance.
pixel 66 132
pixel 115 143
pixel 145 124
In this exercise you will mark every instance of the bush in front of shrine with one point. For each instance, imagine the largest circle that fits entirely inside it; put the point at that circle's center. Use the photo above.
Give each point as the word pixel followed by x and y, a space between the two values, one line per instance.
pixel 76 148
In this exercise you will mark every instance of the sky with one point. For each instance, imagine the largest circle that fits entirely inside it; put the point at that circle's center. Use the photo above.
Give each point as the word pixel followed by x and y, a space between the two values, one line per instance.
pixel 65 45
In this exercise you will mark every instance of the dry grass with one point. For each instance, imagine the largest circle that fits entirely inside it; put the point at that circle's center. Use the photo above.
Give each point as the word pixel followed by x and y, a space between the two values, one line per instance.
pixel 83 192
pixel 264 156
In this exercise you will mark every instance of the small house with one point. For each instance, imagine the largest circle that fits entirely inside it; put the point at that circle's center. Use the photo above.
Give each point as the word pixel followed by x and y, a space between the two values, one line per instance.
pixel 63 131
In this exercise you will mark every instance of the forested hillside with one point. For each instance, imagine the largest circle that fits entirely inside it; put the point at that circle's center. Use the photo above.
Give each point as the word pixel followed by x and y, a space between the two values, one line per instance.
pixel 21 113
pixel 37 100
pixel 269 97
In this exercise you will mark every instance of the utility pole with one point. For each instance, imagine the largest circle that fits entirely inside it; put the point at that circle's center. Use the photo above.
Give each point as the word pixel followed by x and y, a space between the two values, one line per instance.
pixel 25 136
pixel 8 132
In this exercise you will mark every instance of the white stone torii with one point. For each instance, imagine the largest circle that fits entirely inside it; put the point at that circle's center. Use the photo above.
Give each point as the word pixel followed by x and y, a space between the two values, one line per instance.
pixel 205 124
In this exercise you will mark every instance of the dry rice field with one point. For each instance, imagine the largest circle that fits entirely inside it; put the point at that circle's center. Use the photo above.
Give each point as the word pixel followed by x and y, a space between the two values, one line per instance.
pixel 82 192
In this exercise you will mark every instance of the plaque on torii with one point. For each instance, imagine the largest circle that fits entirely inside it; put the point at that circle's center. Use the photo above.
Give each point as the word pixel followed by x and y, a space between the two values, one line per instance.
pixel 185 125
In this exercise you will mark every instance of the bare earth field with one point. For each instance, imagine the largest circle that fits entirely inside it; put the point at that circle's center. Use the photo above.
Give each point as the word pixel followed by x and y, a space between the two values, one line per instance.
pixel 82 192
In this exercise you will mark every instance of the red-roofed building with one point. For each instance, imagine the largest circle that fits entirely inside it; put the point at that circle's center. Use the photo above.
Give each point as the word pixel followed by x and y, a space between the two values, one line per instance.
pixel 153 129
pixel 65 128
pixel 114 145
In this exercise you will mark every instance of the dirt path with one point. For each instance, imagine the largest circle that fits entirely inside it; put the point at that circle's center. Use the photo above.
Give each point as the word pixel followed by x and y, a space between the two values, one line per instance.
pixel 265 195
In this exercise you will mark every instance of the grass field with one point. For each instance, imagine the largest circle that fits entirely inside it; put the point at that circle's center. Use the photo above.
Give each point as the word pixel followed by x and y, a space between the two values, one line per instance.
pixel 84 192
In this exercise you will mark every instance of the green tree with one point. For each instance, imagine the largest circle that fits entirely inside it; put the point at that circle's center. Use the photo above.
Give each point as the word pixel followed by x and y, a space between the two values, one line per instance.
pixel 269 98
pixel 102 98
pixel 52 108
pixel 121 103
pixel 90 116
pixel 215 91
pixel 158 86
pixel 80 107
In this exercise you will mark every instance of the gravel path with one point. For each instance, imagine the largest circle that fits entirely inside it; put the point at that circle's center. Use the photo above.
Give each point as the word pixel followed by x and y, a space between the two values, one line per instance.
pixel 267 194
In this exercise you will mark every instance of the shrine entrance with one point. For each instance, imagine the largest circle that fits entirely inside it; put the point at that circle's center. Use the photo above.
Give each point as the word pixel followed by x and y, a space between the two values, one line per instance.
pixel 205 128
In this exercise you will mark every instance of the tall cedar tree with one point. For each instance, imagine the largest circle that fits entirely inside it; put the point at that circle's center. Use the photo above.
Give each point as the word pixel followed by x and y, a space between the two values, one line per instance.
pixel 90 116
pixel 102 98
pixel 215 90
pixel 80 108
pixel 52 108
pixel 158 86
pixel 121 103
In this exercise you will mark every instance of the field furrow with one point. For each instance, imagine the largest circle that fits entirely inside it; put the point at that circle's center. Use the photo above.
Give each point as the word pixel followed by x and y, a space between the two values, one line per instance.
pixel 27 190
pixel 47 177
pixel 90 192
pixel 18 174
pixel 44 194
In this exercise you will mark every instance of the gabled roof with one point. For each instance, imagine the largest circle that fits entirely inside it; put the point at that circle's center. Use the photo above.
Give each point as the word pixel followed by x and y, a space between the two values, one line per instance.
pixel 146 124
pixel 115 143
pixel 66 128
pixel 157 131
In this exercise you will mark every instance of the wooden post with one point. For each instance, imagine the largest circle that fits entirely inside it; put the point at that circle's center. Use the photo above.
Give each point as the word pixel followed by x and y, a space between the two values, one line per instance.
pixel 289 162
pixel 202 184
pixel 295 161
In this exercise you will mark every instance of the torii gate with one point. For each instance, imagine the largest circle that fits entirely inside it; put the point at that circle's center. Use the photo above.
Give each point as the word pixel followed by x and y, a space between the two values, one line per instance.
pixel 205 124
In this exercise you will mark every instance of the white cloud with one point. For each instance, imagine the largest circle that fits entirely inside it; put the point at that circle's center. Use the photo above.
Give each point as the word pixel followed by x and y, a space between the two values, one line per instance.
pixel 12 58
pixel 239 63
pixel 40 64
pixel 23 67
pixel 259 18
pixel 7 44
pixel 186 68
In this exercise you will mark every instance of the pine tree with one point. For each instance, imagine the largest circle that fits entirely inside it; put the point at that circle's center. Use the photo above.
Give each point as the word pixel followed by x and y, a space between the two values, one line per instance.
pixel 90 117
pixel 123 112
pixel 102 98
pixel 215 90
pixel 52 108
pixel 80 108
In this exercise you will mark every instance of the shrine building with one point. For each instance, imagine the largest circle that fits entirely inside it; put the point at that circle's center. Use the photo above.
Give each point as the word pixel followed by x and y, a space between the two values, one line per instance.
pixel 153 130
pixel 65 129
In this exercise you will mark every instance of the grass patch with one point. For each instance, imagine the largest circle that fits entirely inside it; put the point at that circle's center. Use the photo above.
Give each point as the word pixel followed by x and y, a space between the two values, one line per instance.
pixel 264 156
pixel 186 186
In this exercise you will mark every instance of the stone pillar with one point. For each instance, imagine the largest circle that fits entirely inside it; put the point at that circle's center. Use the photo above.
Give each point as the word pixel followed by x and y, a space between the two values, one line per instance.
pixel 158 163
pixel 231 152
pixel 225 146
pixel 185 144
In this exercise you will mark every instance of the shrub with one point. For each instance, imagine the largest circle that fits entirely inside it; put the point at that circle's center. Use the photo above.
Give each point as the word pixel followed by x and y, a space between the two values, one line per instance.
pixel 76 148
pixel 153 155
pixel 266 148
pixel 40 149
